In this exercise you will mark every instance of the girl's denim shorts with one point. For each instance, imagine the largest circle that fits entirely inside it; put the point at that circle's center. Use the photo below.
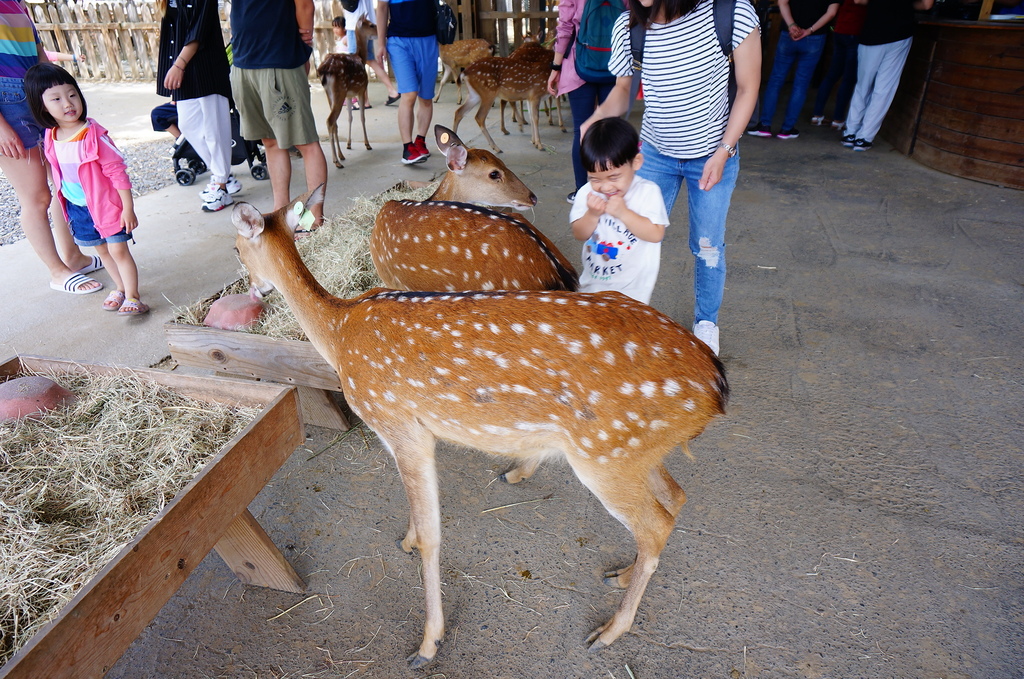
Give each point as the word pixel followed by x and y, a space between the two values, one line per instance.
pixel 84 229
pixel 14 107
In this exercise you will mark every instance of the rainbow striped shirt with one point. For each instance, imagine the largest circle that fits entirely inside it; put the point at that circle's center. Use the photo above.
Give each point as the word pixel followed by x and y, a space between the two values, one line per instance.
pixel 18 39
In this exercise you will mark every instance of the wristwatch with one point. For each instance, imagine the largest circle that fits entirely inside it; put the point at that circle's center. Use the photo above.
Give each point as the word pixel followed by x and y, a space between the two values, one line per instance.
pixel 731 150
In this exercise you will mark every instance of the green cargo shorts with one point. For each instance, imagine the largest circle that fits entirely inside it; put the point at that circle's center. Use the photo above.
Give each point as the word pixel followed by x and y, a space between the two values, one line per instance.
pixel 274 104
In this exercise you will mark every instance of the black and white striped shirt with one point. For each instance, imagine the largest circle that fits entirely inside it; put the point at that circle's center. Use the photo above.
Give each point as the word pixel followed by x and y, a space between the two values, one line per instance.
pixel 685 78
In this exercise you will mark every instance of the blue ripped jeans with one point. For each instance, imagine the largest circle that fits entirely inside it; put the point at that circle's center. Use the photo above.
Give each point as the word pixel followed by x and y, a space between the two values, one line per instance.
pixel 708 211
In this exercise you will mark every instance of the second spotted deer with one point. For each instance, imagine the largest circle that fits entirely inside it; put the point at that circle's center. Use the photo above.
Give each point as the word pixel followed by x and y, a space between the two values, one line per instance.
pixel 604 382
pixel 344 76
pixel 449 243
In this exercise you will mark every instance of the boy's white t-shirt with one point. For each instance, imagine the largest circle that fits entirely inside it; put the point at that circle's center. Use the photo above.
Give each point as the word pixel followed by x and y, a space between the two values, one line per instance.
pixel 615 259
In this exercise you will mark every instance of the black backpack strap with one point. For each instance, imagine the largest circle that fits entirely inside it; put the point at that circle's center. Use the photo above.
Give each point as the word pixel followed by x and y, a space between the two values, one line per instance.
pixel 724 17
pixel 637 38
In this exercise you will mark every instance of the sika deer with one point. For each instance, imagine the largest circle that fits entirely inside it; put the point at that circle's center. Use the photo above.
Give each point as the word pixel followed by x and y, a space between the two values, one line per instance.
pixel 531 50
pixel 607 383
pixel 458 56
pixel 344 76
pixel 510 79
pixel 444 243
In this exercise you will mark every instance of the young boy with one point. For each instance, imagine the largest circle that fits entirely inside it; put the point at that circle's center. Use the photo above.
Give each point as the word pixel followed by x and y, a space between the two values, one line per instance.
pixel 620 217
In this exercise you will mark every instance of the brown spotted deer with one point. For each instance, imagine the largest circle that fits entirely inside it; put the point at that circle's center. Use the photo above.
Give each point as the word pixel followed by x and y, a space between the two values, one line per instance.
pixel 532 50
pixel 344 76
pixel 447 243
pixel 458 56
pixel 509 79
pixel 602 381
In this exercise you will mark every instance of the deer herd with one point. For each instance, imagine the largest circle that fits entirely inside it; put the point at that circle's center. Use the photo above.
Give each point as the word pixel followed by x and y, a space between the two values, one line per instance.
pixel 480 339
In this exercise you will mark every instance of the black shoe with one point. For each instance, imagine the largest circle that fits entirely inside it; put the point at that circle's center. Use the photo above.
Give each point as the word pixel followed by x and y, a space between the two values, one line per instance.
pixel 392 100
pixel 792 133
pixel 849 140
pixel 760 130
pixel 571 198
pixel 862 145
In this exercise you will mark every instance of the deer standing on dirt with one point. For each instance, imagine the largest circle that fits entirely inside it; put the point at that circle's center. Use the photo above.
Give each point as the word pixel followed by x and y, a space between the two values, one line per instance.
pixel 532 50
pixel 510 79
pixel 458 56
pixel 605 382
pixel 444 243
pixel 344 76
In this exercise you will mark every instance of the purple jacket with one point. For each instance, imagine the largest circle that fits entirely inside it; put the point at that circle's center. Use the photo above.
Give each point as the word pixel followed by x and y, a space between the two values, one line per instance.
pixel 102 173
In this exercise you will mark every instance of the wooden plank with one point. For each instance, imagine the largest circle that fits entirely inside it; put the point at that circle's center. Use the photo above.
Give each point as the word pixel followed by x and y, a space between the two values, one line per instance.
pixel 986 10
pixel 980 79
pixel 94 57
pixel 95 628
pixel 252 557
pixel 981 54
pixel 1002 152
pixel 975 124
pixel 969 168
pixel 239 353
pixel 108 38
pixel 319 408
pixel 985 103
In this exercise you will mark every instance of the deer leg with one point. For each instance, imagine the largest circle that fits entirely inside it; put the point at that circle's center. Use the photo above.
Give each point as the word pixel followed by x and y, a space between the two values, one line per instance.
pixel 628 495
pixel 501 109
pixel 414 454
pixel 535 116
pixel 481 118
pixel 444 81
pixel 471 100
pixel 522 470
pixel 521 105
pixel 332 130
pixel 458 84
pixel 362 119
pixel 362 106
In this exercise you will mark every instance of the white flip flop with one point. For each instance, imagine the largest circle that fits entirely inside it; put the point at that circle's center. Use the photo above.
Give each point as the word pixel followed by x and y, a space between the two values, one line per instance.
pixel 74 285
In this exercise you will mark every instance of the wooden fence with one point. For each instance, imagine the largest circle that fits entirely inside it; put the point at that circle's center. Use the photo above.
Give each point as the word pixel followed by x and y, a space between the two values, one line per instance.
pixel 119 38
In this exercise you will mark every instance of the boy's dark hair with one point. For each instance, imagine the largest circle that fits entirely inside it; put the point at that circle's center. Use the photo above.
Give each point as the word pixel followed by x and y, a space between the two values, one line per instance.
pixel 338 22
pixel 42 77
pixel 609 143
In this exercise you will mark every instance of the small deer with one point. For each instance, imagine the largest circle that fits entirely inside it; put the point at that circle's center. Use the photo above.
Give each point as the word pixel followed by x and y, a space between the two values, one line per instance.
pixel 510 79
pixel 605 382
pixel 532 50
pixel 444 243
pixel 458 56
pixel 344 76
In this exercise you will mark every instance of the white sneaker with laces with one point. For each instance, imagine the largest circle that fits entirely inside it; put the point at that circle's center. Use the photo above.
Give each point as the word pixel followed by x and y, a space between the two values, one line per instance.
pixel 232 185
pixel 218 201
pixel 707 332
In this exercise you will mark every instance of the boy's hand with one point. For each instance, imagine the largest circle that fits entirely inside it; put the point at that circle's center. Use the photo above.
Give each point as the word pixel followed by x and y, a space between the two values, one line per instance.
pixel 596 203
pixel 616 207
pixel 128 220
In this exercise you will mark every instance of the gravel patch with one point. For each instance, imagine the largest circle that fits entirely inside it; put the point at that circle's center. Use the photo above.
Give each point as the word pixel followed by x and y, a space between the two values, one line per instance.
pixel 149 167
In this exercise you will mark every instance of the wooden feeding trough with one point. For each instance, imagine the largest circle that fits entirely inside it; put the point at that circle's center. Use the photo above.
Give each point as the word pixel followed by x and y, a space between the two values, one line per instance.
pixel 293 362
pixel 93 630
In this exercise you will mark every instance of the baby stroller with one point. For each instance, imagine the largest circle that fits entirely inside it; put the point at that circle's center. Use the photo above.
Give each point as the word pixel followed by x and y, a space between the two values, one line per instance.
pixel 188 164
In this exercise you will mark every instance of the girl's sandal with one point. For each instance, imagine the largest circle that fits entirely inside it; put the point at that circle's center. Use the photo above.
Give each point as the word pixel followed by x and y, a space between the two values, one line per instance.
pixel 114 301
pixel 132 307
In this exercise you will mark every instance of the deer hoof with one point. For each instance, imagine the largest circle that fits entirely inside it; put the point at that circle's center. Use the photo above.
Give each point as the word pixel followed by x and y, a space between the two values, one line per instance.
pixel 369 148
pixel 594 639
pixel 416 661
pixel 338 165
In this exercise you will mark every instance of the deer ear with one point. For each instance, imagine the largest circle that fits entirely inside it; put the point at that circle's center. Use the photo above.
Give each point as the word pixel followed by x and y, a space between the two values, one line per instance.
pixel 247 220
pixel 457 157
pixel 445 138
pixel 298 208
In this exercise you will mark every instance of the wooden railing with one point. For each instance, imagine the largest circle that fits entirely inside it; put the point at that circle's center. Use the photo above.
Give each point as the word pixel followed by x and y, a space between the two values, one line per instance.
pixel 119 38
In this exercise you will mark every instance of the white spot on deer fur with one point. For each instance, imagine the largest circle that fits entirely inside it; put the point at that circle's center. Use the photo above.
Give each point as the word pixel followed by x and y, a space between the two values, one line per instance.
pixel 617 452
pixel 593 397
pixel 658 424
pixel 689 405
pixel 416 383
pixel 455 249
pixel 595 339
pixel 634 442
pixel 412 404
pixel 389 397
pixel 648 389
pixel 602 434
pixel 497 431
pixel 709 253
pixel 602 460
pixel 351 383
pixel 609 358
pixel 618 424
pixel 544 328
pixel 586 442
pixel 494 328
pixel 575 347
pixel 518 328
pixel 626 389
pixel 671 387
pixel 442 371
pixel 484 247
pixel 631 348
pixel 449 397
pixel 632 416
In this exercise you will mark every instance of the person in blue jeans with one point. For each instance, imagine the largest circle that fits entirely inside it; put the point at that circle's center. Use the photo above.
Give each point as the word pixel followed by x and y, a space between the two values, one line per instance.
pixel 843 69
pixel 801 44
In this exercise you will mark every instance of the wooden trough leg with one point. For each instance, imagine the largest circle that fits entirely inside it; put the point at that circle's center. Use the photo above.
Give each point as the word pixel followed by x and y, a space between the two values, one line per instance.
pixel 318 408
pixel 249 553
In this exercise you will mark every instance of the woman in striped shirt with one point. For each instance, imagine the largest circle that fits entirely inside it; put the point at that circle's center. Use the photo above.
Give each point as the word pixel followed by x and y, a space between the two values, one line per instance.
pixel 690 129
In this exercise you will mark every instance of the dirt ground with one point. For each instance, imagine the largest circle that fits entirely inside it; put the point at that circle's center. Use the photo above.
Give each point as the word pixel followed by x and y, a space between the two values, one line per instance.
pixel 857 513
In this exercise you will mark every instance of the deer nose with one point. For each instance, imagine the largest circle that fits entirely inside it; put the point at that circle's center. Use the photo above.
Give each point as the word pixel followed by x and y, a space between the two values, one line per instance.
pixel 533 198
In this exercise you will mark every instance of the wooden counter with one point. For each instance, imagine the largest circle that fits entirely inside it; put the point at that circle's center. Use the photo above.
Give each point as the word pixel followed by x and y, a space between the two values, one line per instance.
pixel 960 104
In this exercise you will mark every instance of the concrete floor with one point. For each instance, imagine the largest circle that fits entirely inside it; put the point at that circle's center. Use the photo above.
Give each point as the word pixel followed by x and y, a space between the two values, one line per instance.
pixel 871 329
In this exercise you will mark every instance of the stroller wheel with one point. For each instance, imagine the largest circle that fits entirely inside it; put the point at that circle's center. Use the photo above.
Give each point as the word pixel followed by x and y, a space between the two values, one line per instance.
pixel 259 172
pixel 197 166
pixel 185 177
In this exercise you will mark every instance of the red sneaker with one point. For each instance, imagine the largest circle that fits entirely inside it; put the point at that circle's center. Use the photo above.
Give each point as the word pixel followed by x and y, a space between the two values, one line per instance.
pixel 421 144
pixel 413 155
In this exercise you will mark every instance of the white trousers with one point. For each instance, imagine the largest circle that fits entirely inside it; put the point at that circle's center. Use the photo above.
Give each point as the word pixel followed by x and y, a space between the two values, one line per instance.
pixel 206 123
pixel 878 75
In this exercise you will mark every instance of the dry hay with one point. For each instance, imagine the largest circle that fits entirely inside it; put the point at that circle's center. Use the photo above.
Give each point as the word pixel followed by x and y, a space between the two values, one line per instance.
pixel 338 255
pixel 79 483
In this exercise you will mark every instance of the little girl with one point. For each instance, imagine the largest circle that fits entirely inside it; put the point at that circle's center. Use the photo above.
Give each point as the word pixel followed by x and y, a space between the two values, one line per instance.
pixel 91 179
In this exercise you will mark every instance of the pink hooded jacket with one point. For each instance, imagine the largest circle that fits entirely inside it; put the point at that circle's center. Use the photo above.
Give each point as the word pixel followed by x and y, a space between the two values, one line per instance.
pixel 102 173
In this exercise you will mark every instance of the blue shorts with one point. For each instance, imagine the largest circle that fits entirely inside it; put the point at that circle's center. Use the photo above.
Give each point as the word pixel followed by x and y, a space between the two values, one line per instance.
pixel 163 116
pixel 84 230
pixel 14 108
pixel 352 45
pixel 414 61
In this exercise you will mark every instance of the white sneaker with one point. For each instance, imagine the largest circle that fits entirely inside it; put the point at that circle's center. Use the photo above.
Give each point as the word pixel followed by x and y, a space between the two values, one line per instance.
pixel 707 332
pixel 219 200
pixel 232 185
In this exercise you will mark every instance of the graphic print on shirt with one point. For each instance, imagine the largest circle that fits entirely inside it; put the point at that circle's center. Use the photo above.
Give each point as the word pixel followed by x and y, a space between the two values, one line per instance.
pixel 608 249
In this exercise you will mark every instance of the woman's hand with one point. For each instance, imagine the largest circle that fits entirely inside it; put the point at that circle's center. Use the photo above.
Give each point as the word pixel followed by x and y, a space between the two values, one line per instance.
pixel 713 169
pixel 553 83
pixel 175 75
pixel 10 143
